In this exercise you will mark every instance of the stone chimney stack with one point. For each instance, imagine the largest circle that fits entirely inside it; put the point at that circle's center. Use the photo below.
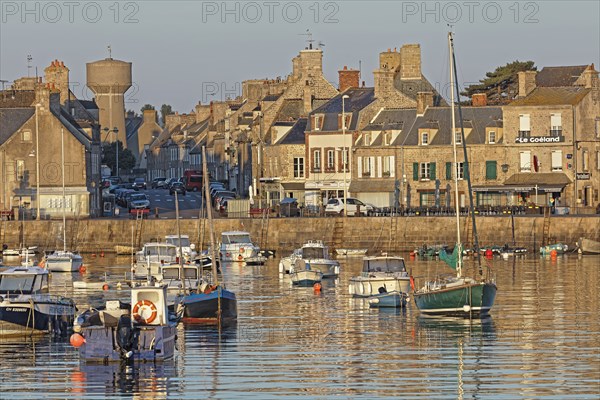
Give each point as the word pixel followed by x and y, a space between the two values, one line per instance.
pixel 150 116
pixel 590 77
pixel 348 78
pixel 58 75
pixel 424 100
pixel 479 100
pixel 410 61
pixel 526 82
pixel 202 112
pixel 307 98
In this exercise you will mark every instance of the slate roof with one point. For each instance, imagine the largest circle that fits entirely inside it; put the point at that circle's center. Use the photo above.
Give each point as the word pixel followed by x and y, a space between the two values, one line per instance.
pixel 559 76
pixel 12 119
pixel 271 97
pixel 68 121
pixel 16 98
pixel 296 134
pixel 552 96
pixel 392 119
pixel 541 178
pixel 291 109
pixel 88 104
pixel 359 99
pixel 132 125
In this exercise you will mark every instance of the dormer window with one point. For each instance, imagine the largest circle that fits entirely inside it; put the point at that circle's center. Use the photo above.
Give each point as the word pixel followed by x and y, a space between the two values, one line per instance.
pixel 367 139
pixel 318 122
pixel 492 137
pixel 387 138
pixel 458 137
pixel 424 138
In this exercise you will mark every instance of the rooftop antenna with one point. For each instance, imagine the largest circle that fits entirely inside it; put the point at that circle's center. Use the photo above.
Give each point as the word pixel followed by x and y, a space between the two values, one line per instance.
pixel 321 44
pixel 3 82
pixel 309 39
pixel 109 52
pixel 29 59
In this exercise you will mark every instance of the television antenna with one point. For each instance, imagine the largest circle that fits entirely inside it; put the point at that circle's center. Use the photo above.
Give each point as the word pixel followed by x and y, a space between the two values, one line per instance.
pixel 29 59
pixel 309 38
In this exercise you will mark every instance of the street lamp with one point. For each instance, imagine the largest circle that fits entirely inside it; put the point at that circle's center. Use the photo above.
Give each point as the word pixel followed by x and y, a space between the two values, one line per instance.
pixel 344 153
pixel 116 132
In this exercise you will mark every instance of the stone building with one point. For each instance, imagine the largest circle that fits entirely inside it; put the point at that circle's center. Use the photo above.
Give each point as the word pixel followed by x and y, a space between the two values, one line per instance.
pixel 552 135
pixel 33 127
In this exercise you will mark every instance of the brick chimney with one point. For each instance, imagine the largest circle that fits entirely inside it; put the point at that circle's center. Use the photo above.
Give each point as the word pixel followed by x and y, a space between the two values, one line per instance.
pixel 348 78
pixel 58 75
pixel 526 82
pixel 424 100
pixel 479 100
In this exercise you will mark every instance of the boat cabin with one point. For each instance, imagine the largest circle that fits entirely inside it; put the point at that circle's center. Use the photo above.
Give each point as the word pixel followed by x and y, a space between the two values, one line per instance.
pixel 235 238
pixel 174 240
pixel 149 305
pixel 24 281
pixel 314 250
pixel 384 264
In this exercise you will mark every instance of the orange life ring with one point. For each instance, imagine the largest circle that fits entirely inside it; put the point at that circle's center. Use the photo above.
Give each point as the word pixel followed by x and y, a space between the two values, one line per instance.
pixel 144 304
pixel 412 283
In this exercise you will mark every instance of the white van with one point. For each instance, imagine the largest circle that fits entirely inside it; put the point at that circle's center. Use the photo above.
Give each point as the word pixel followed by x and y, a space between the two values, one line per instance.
pixel 336 207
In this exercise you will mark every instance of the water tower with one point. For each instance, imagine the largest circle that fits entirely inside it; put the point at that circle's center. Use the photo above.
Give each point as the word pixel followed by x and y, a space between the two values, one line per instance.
pixel 109 79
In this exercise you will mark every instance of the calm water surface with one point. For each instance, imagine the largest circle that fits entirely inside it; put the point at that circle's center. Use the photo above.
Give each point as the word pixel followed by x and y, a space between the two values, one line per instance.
pixel 542 341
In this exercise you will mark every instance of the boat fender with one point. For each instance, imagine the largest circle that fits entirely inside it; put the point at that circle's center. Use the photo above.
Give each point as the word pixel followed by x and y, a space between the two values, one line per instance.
pixel 144 304
pixel 240 257
pixel 412 283
pixel 77 340
pixel 241 249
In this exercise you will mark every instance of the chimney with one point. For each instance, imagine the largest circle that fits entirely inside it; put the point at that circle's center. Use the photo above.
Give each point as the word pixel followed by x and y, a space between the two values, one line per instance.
pixel 58 76
pixel 479 100
pixel 348 78
pixel 202 112
pixel 424 100
pixel 307 98
pixel 150 116
pixel 590 77
pixel 526 82
pixel 410 61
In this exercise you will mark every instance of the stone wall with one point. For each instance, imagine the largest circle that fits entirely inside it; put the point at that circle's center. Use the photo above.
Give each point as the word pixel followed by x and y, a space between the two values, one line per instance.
pixel 284 234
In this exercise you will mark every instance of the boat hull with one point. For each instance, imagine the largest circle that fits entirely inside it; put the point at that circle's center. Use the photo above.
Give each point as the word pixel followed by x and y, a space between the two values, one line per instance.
pixel 63 263
pixel 361 286
pixel 238 253
pixel 329 268
pixel 392 299
pixel 306 278
pixel 35 317
pixel 467 300
pixel 587 246
pixel 202 308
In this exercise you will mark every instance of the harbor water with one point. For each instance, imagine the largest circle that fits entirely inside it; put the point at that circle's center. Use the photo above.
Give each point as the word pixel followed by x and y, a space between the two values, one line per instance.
pixel 542 340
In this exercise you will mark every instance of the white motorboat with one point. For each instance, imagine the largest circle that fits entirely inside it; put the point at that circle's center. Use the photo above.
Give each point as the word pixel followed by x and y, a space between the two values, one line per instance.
pixel 393 299
pixel 187 248
pixel 153 255
pixel 63 261
pixel 304 275
pixel 351 252
pixel 142 331
pixel 380 273
pixel 588 246
pixel 27 308
pixel 237 246
pixel 18 255
pixel 316 254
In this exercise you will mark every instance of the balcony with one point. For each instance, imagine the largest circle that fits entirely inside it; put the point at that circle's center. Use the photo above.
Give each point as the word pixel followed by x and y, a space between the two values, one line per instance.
pixel 524 134
pixel 556 132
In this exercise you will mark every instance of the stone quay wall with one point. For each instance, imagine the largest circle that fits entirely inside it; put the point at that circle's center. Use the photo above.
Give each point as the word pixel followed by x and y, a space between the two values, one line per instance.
pixel 377 234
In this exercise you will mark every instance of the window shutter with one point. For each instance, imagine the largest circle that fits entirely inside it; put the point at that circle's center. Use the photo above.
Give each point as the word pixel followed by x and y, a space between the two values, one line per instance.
pixel 359 160
pixel 466 170
pixel 372 167
pixel 432 171
pixel 524 122
pixel 490 170
pixel 415 171
pixel 448 170
pixel 393 166
pixel 379 167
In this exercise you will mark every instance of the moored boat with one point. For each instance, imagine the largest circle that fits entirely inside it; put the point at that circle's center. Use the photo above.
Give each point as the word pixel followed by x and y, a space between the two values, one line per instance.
pixel 588 246
pixel 316 253
pixel 182 244
pixel 63 261
pixel 237 246
pixel 27 308
pixel 145 331
pixel 380 273
pixel 393 299
pixel 304 275
pixel 153 255
pixel 351 252
pixel 559 248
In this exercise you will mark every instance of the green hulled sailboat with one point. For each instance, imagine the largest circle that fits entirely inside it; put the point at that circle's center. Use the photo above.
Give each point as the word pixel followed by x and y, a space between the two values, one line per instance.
pixel 457 295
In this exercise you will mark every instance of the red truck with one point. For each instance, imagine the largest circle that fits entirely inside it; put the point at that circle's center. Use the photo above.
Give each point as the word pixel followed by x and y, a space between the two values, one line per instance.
pixel 192 180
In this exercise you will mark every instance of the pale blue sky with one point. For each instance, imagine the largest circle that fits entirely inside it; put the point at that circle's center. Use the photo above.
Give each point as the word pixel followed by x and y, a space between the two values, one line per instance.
pixel 177 47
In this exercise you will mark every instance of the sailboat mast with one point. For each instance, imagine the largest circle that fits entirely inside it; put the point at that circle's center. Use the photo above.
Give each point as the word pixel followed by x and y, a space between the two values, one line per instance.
pixel 207 204
pixel 456 198
pixel 64 196
pixel 466 167
pixel 181 270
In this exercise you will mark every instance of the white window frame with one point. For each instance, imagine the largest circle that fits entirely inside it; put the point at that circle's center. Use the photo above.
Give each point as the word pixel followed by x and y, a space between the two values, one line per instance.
pixel 525 156
pixel 345 159
pixel 524 125
pixel 387 165
pixel 556 160
pixel 460 170
pixel 317 126
pixel 424 171
pixel 317 159
pixel 367 166
pixel 458 137
pixel 387 138
pixel 492 137
pixel 298 167
pixel 19 170
pixel 585 160
pixel 367 139
pixel 26 136
pixel 556 124
pixel 424 138
pixel 331 160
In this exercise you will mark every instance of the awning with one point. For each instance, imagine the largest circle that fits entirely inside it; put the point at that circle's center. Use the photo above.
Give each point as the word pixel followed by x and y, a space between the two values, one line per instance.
pixel 293 185
pixel 372 186
pixel 549 182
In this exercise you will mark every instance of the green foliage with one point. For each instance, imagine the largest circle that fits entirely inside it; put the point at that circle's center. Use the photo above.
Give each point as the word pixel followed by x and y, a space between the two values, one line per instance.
pixel 501 79
pixel 109 157
pixel 165 110
pixel 147 107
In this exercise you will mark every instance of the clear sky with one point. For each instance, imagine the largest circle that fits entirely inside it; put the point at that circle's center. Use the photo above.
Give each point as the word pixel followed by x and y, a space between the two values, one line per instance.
pixel 182 50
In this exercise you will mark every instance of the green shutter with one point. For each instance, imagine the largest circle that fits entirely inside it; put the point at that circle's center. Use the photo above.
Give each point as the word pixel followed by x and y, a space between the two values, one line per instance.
pixel 432 171
pixel 490 170
pixel 466 170
pixel 448 170
pixel 415 171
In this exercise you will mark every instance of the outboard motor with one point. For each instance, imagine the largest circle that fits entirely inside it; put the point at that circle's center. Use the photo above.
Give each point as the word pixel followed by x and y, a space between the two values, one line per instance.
pixel 125 333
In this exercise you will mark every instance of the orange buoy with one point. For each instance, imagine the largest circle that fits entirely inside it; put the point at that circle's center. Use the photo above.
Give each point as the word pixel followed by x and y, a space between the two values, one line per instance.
pixel 489 254
pixel 101 253
pixel 82 269
pixel 77 340
pixel 317 287
pixel 553 254
pixel 412 255
pixel 93 254
pixel 105 286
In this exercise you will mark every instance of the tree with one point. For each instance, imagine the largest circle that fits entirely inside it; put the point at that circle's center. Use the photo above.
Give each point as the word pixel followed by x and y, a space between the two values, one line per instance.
pixel 147 107
pixel 165 110
pixel 502 84
pixel 109 157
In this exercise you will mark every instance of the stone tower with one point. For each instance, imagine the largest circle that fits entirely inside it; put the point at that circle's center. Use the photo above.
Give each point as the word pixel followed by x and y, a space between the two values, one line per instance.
pixel 109 79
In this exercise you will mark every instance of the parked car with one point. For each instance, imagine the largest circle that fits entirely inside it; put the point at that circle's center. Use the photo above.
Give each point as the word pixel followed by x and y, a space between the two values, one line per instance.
pixel 335 206
pixel 219 195
pixel 178 187
pixel 120 196
pixel 373 209
pixel 158 183
pixel 138 201
pixel 222 206
pixel 139 183
pixel 168 183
